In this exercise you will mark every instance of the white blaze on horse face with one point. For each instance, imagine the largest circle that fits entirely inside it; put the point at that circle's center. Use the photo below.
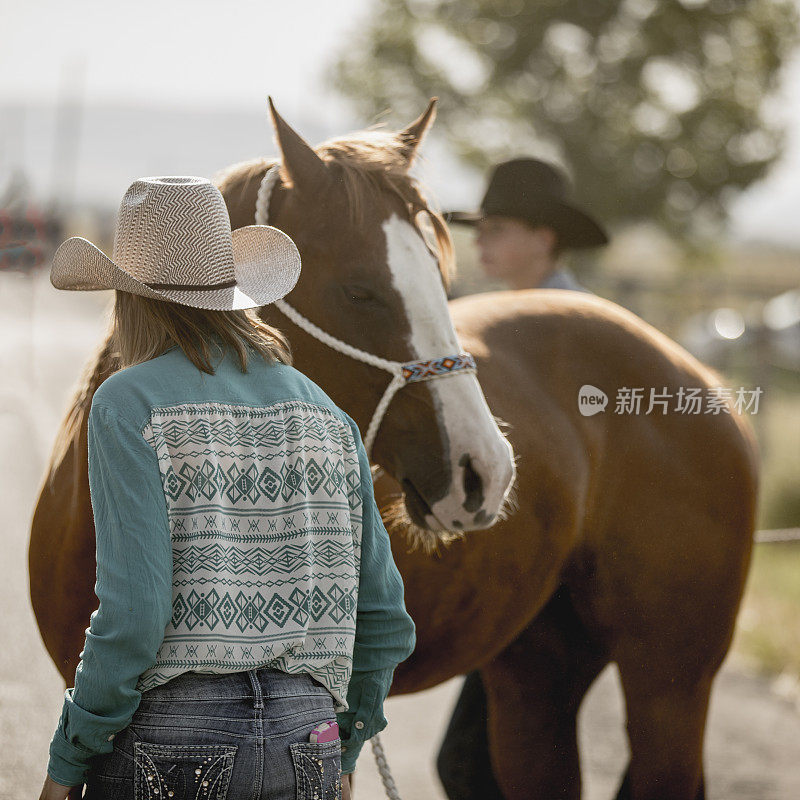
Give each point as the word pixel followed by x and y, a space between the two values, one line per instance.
pixel 476 445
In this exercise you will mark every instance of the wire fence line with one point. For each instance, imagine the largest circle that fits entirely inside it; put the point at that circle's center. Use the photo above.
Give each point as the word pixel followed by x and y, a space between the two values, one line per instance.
pixel 778 535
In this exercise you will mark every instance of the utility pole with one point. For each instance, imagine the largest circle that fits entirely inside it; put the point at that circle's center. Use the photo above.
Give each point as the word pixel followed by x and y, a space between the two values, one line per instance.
pixel 66 149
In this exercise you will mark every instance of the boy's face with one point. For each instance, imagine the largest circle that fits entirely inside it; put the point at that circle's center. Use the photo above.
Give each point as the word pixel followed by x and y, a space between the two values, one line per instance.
pixel 510 247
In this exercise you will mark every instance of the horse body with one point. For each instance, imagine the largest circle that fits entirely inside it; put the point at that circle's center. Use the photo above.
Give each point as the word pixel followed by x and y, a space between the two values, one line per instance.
pixel 61 551
pixel 631 544
pixel 641 515
pixel 631 538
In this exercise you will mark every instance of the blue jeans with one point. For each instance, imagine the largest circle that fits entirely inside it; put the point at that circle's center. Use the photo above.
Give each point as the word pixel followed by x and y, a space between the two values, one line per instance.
pixel 242 736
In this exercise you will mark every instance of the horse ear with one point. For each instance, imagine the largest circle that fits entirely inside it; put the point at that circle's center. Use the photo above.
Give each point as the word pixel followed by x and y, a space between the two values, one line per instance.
pixel 411 136
pixel 306 169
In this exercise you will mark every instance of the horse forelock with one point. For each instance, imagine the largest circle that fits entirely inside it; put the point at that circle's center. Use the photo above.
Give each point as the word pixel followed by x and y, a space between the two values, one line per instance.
pixel 372 170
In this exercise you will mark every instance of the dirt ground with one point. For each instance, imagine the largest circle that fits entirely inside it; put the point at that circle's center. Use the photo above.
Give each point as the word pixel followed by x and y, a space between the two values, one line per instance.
pixel 753 745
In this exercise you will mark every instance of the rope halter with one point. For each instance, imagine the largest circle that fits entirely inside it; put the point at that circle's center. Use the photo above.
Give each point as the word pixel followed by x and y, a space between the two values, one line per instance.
pixel 402 373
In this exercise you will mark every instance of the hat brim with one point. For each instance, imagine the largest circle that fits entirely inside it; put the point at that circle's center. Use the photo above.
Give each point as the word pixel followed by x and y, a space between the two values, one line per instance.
pixel 575 228
pixel 266 267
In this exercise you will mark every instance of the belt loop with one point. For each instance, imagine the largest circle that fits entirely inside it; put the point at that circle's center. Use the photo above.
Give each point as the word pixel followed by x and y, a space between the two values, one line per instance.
pixel 258 695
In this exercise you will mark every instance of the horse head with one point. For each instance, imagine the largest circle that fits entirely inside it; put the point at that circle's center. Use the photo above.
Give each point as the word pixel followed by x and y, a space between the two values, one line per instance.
pixel 377 261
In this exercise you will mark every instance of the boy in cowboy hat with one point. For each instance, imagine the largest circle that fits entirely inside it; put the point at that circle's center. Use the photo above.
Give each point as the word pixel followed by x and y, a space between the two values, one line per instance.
pixel 525 221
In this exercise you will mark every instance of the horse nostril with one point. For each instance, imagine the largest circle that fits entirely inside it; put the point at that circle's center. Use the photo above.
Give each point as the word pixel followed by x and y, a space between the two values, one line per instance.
pixel 481 517
pixel 473 485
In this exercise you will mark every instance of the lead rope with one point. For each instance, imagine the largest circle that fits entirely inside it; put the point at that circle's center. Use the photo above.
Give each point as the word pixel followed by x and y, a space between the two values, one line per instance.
pixel 383 768
pixel 398 380
pixel 394 367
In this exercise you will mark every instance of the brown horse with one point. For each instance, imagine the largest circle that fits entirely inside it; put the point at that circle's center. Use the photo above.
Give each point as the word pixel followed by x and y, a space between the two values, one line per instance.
pixel 632 537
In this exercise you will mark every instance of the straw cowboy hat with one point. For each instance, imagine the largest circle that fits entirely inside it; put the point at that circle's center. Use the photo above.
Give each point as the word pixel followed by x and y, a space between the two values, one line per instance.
pixel 173 242
pixel 537 192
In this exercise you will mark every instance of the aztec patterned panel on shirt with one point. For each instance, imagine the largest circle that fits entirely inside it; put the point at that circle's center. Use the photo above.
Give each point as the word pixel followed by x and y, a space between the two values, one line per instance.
pixel 265 510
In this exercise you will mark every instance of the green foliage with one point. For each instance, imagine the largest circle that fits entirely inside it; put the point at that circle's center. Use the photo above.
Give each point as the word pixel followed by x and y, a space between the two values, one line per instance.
pixel 769 627
pixel 657 107
pixel 779 440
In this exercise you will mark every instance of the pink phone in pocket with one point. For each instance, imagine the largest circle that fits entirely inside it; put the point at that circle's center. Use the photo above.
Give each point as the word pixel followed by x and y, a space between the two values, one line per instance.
pixel 324 732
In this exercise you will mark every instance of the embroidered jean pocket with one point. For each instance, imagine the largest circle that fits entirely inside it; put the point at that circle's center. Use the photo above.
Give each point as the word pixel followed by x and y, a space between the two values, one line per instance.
pixel 181 771
pixel 318 768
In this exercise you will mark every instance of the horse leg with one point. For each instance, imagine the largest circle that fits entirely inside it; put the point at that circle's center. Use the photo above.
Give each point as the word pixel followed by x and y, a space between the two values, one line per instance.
pixel 463 761
pixel 625 789
pixel 534 689
pixel 666 713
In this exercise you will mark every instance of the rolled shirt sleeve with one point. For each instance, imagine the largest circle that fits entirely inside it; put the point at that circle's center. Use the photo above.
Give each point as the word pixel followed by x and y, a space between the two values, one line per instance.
pixel 385 633
pixel 134 587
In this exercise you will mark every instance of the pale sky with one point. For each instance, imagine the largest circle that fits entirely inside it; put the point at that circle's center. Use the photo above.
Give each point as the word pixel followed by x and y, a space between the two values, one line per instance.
pixel 215 55
pixel 190 52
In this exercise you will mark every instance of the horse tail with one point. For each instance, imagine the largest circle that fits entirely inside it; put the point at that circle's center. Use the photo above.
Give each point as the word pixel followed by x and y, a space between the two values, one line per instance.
pixel 103 363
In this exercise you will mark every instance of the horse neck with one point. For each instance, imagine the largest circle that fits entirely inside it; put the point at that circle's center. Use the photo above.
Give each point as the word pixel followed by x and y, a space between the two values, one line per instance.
pixel 72 433
pixel 335 372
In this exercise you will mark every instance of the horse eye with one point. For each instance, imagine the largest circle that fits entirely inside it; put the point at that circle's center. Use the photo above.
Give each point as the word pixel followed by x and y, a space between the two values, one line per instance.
pixel 359 294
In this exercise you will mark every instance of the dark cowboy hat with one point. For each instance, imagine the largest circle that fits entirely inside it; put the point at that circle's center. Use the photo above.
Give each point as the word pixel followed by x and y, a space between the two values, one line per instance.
pixel 537 192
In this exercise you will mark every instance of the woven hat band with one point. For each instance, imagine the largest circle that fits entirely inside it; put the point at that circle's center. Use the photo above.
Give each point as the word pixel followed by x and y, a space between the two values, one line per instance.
pixel 192 287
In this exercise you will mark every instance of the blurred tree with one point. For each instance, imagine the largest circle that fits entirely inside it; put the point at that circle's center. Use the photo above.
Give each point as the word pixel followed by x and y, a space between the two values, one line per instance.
pixel 658 108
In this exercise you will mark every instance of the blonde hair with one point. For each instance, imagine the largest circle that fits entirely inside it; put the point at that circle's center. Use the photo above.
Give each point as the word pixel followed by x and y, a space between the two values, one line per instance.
pixel 143 328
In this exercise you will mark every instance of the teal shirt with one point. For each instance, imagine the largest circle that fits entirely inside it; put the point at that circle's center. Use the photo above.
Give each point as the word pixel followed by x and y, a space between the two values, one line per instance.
pixel 135 555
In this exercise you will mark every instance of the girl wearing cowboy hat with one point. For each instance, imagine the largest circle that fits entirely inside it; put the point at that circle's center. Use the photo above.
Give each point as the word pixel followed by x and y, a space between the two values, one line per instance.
pixel 237 533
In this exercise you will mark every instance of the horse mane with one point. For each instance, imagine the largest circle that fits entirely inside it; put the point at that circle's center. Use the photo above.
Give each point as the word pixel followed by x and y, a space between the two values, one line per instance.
pixel 370 164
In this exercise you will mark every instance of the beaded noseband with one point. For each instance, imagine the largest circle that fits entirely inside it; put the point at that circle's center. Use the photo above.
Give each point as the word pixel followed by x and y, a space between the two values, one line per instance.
pixel 403 372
